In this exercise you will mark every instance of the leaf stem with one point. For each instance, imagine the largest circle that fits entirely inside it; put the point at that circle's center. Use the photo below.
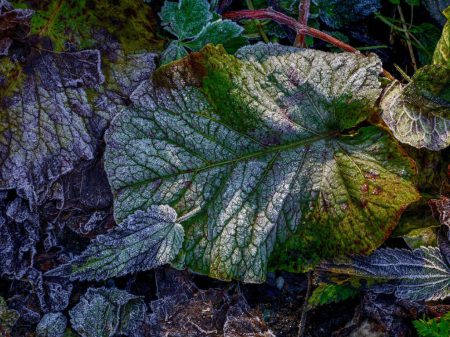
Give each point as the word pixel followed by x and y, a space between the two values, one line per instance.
pixel 408 38
pixel 305 307
pixel 303 15
pixel 283 19
pixel 258 24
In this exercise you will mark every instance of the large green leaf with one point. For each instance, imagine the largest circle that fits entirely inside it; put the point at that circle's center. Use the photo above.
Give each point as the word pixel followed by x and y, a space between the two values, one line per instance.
pixel 258 150
pixel 419 113
pixel 442 51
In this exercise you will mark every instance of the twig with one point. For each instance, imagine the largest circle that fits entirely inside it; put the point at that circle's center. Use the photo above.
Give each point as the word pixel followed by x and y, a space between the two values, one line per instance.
pixel 408 38
pixel 293 24
pixel 302 324
pixel 303 15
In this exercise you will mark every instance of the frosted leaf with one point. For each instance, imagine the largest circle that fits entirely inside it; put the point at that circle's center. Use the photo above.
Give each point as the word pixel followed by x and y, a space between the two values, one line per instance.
pixel 52 325
pixel 186 18
pixel 45 123
pixel 421 274
pixel 144 240
pixel 19 234
pixel 418 114
pixel 253 155
pixel 105 312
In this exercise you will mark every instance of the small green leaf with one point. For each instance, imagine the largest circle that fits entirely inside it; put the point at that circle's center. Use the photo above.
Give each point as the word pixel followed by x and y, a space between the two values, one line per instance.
pixel 185 19
pixel 436 327
pixel 331 293
pixel 217 32
pixel 144 240
pixel 413 2
pixel 106 312
pixel 173 52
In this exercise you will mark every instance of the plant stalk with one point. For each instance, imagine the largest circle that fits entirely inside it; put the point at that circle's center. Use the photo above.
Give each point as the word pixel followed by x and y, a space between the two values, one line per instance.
pixel 408 38
pixel 305 307
pixel 303 15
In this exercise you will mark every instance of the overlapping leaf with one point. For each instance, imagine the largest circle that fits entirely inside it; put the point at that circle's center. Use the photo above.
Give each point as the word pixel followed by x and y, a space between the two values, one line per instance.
pixel 105 312
pixel 419 113
pixel 421 274
pixel 257 157
pixel 144 240
pixel 193 23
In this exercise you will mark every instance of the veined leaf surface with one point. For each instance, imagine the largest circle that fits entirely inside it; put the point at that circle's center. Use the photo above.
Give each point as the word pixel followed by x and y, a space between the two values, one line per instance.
pixel 144 240
pixel 418 113
pixel 254 155
pixel 421 274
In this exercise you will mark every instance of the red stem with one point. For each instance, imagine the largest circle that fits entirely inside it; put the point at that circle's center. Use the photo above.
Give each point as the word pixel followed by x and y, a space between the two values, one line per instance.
pixel 300 28
pixel 303 15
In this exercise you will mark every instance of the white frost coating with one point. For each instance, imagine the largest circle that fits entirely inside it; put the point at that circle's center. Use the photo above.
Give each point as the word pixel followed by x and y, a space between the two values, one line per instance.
pixel 418 275
pixel 415 124
pixel 144 240
pixel 252 189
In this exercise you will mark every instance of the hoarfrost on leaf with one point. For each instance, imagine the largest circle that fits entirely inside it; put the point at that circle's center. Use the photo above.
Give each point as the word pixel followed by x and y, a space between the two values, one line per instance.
pixel 421 274
pixel 418 113
pixel 106 312
pixel 253 154
pixel 52 325
pixel 144 240
pixel 45 124
pixel 195 25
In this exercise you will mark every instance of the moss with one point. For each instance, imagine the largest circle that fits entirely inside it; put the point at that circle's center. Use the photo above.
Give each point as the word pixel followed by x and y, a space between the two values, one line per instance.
pixel 11 77
pixel 215 73
pixel 65 22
